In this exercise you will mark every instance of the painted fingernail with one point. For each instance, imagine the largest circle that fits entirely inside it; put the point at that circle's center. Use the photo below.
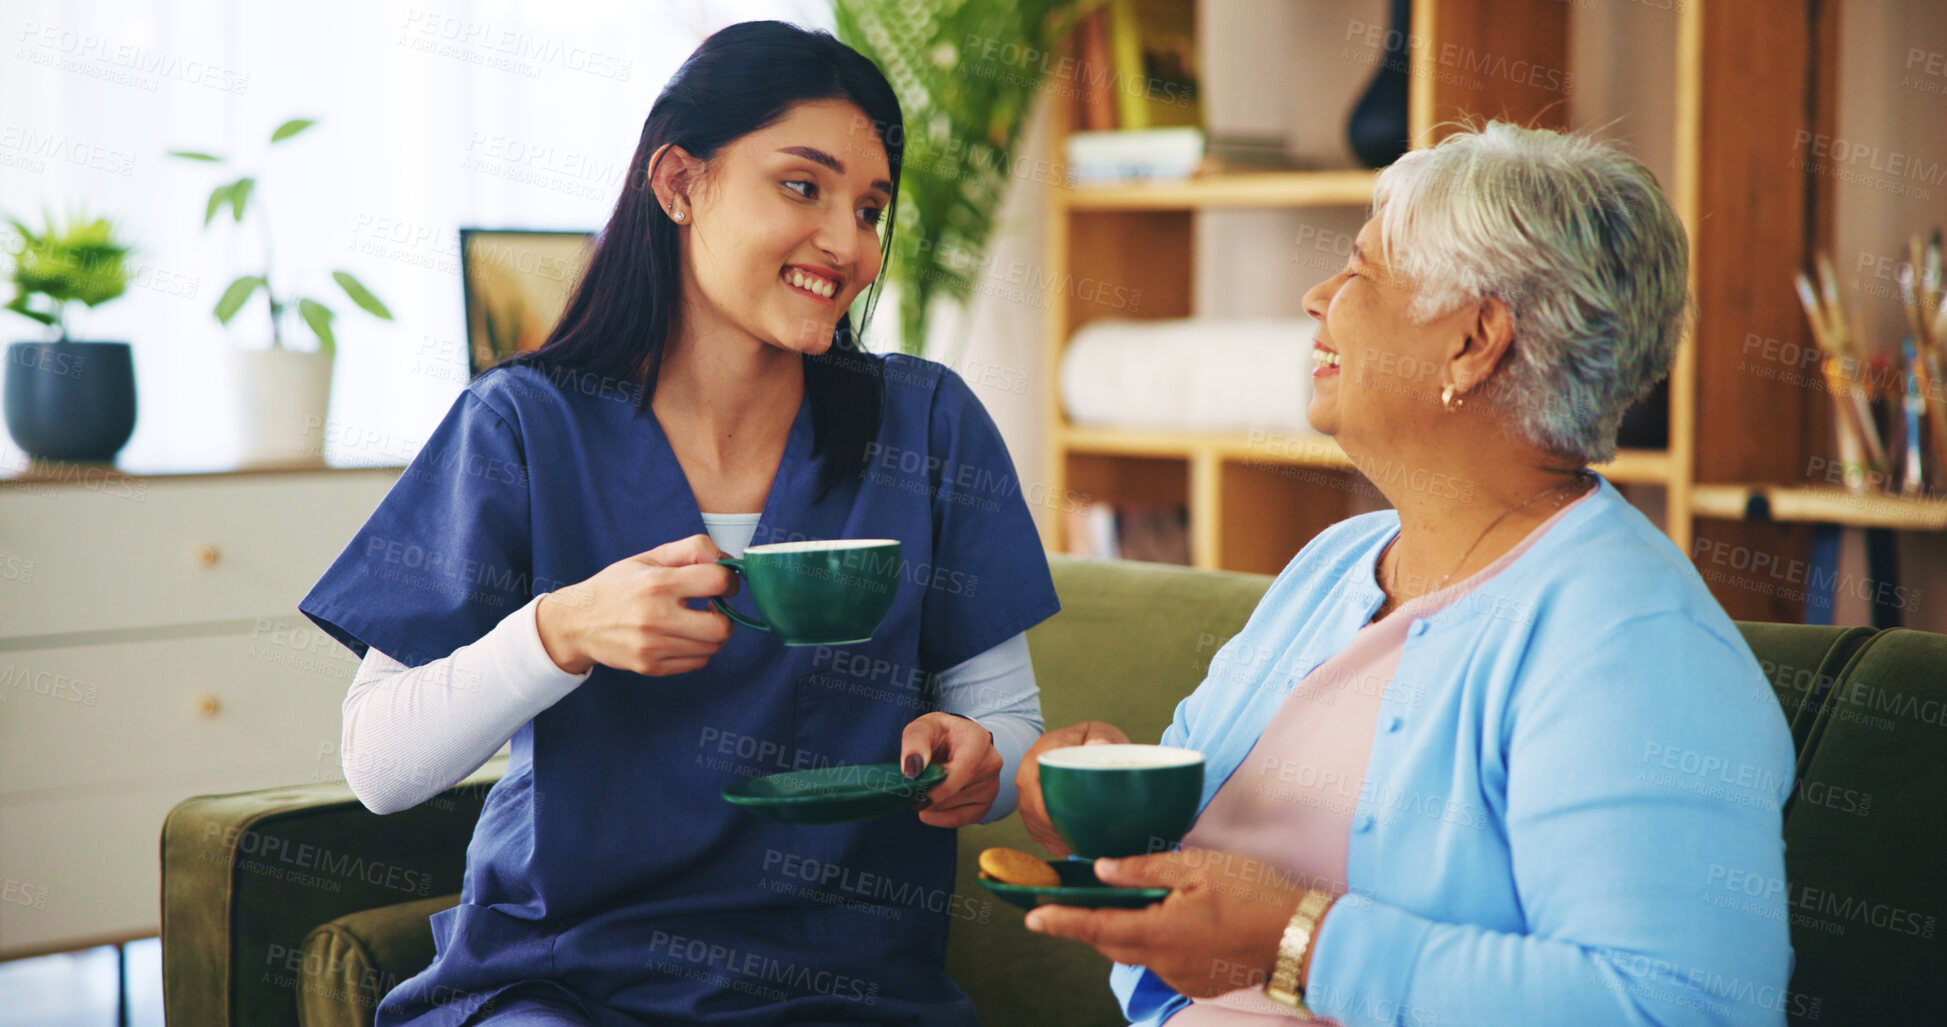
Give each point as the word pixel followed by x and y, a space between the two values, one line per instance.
pixel 914 764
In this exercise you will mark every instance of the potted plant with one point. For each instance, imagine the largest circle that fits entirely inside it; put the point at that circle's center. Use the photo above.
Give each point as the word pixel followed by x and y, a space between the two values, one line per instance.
pixel 68 400
pixel 962 130
pixel 283 394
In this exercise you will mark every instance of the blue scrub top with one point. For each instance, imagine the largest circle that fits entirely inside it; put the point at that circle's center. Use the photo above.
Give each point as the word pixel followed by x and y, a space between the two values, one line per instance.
pixel 605 860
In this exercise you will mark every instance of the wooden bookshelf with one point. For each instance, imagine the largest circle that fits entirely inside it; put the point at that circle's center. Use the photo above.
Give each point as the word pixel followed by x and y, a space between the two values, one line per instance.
pixel 1820 505
pixel 1252 189
pixel 1254 501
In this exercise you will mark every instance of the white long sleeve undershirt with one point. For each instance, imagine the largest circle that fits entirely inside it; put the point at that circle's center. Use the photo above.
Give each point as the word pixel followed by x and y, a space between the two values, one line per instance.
pixel 411 733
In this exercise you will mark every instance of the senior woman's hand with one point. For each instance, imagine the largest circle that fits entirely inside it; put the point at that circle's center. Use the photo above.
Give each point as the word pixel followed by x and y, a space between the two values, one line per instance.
pixel 1216 932
pixel 1027 777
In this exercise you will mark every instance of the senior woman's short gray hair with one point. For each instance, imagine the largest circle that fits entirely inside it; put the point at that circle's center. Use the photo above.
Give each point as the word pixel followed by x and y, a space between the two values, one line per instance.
pixel 1575 236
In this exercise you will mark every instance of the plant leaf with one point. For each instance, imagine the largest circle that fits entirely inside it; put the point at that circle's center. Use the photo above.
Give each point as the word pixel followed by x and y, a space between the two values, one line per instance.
pixel 194 155
pixel 218 197
pixel 236 296
pixel 240 194
pixel 19 306
pixel 361 295
pixel 318 316
pixel 290 128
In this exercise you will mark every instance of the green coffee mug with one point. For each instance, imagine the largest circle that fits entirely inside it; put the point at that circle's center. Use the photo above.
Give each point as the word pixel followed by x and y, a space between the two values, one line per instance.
pixel 820 592
pixel 1121 800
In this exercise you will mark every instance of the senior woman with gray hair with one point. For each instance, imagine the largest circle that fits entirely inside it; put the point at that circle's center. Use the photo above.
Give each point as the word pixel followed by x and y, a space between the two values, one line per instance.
pixel 1494 756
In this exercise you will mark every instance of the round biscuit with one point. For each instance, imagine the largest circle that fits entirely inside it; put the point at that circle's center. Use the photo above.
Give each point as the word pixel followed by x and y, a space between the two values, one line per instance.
pixel 1012 866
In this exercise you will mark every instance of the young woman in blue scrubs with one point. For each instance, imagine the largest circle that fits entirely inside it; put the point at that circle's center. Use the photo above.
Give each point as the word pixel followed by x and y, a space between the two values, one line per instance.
pixel 538 574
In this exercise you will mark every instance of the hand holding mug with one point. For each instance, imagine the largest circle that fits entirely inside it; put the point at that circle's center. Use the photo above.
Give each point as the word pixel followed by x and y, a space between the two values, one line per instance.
pixel 633 615
pixel 1027 778
pixel 1217 931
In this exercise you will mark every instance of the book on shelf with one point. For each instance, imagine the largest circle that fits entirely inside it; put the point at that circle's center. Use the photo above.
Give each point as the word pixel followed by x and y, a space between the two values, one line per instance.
pixel 1153 44
pixel 1139 108
pixel 1136 66
pixel 1125 155
pixel 1229 153
pixel 1095 71
pixel 1152 532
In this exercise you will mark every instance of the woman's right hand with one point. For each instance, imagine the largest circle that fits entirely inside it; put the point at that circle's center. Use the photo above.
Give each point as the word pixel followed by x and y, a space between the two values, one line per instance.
pixel 632 616
pixel 1027 778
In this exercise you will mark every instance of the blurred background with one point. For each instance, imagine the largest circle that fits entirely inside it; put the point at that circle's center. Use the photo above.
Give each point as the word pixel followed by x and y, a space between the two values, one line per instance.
pixel 1142 190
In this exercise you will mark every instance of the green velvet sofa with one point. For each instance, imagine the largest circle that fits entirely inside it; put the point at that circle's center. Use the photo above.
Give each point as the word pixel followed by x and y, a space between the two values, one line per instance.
pixel 297 905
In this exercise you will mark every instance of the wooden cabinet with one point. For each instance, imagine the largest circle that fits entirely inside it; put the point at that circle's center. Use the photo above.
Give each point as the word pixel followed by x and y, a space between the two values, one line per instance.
pixel 1255 499
pixel 150 650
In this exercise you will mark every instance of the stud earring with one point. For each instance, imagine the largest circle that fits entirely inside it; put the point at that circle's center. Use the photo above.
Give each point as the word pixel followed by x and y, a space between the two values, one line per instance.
pixel 677 214
pixel 1449 401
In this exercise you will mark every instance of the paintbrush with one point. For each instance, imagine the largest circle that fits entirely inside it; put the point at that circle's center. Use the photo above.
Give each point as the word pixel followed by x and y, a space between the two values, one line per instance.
pixel 1851 436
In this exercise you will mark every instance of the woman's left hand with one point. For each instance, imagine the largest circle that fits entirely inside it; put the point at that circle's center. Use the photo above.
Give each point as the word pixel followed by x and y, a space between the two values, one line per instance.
pixel 973 768
pixel 1216 932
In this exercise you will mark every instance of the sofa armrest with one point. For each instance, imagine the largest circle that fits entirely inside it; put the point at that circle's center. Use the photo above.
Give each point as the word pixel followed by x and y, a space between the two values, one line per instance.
pixel 246 877
pixel 349 964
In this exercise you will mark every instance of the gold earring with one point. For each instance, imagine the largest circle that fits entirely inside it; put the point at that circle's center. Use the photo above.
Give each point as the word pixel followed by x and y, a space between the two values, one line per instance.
pixel 1449 401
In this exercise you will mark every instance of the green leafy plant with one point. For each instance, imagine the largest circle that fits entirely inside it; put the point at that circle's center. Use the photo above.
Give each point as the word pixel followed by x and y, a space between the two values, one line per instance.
pixel 81 262
pixel 964 114
pixel 237 196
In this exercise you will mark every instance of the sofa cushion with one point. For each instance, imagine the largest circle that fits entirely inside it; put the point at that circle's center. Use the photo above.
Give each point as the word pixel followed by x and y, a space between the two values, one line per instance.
pixel 1864 837
pixel 1802 663
pixel 1134 639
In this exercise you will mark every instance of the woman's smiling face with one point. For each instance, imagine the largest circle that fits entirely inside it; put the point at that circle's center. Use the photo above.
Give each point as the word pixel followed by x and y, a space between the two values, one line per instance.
pixel 783 234
pixel 1376 372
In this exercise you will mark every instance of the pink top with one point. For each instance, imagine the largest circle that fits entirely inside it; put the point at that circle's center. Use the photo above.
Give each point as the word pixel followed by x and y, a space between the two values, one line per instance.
pixel 1290 803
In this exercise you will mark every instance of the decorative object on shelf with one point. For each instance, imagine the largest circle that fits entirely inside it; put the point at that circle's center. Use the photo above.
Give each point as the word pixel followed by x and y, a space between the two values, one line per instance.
pixel 68 400
pixel 1377 130
pixel 1133 154
pixel 1842 366
pixel 967 83
pixel 1199 374
pixel 1153 44
pixel 1913 460
pixel 1095 103
pixel 283 395
pixel 517 282
pixel 1913 475
pixel 1150 532
pixel 1226 153
pixel 1925 297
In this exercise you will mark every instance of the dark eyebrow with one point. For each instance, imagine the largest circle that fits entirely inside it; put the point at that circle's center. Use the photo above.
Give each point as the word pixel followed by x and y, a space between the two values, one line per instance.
pixel 817 156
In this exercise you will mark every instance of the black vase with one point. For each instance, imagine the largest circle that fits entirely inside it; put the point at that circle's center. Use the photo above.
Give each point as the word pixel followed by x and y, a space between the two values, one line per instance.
pixel 1377 130
pixel 70 400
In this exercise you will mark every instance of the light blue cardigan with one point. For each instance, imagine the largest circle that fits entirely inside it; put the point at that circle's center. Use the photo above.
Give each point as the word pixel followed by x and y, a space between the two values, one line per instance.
pixel 1571 813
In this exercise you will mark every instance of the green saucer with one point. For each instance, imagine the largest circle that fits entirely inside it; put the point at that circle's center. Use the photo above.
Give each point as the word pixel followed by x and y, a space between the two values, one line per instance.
pixel 834 795
pixel 1078 887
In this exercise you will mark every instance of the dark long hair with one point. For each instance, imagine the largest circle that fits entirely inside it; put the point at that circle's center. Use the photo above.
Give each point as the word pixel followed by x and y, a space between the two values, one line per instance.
pixel 743 78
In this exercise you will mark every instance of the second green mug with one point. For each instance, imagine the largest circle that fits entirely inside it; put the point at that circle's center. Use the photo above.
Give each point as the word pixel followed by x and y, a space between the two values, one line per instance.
pixel 831 592
pixel 1121 800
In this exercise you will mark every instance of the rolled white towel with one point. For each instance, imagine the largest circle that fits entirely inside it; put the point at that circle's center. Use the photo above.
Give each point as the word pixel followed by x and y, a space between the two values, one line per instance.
pixel 1190 374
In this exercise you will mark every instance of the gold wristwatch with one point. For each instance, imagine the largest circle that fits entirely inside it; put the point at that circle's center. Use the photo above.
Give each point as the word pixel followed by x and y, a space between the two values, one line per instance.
pixel 1292 948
